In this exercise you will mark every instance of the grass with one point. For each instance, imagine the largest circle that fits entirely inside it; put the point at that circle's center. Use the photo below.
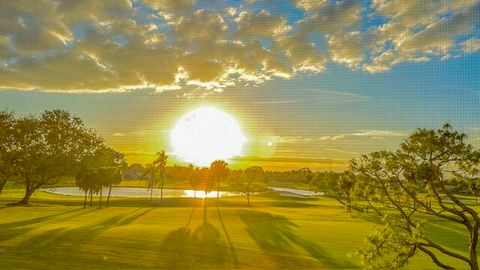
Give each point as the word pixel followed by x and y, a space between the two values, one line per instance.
pixel 181 233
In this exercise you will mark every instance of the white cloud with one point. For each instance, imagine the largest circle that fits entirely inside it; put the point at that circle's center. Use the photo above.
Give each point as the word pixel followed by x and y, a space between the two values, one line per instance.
pixel 470 46
pixel 123 45
pixel 417 30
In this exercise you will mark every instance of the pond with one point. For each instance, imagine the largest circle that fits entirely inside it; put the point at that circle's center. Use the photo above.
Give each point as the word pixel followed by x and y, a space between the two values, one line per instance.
pixel 176 193
pixel 142 192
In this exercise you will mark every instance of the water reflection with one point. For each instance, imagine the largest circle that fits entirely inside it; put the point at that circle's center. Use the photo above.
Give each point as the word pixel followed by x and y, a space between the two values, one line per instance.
pixel 143 192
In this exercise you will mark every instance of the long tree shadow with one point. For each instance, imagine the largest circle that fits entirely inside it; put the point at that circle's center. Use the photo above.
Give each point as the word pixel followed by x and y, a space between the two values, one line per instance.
pixel 65 241
pixel 13 229
pixel 227 235
pixel 276 236
pixel 201 248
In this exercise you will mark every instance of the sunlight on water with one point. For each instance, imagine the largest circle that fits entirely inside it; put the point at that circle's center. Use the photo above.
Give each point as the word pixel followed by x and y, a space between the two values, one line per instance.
pixel 143 192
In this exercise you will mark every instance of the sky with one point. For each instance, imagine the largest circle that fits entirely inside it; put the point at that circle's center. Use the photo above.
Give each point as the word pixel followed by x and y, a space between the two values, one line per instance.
pixel 312 83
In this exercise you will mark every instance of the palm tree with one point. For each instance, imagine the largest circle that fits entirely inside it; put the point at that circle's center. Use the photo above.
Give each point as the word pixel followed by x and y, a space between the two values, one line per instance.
pixel 159 165
pixel 150 173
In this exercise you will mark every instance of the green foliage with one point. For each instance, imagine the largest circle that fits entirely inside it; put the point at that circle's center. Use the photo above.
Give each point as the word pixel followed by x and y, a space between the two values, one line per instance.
pixel 339 186
pixel 101 169
pixel 219 172
pixel 251 180
pixel 413 183
pixel 7 147
pixel 49 148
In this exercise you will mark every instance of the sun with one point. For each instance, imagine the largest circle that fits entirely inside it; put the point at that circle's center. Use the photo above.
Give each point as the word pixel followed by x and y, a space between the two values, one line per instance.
pixel 206 134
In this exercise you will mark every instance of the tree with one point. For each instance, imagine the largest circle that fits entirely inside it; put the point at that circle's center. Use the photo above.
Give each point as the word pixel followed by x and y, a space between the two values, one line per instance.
pixel 159 169
pixel 308 177
pixel 88 181
pixel 192 179
pixel 151 178
pixel 204 180
pixel 98 170
pixel 339 186
pixel 113 171
pixel 251 180
pixel 134 171
pixel 50 148
pixel 406 186
pixel 7 148
pixel 219 172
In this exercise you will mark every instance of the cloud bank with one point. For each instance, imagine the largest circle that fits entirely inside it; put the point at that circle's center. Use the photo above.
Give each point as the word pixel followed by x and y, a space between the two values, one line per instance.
pixel 119 45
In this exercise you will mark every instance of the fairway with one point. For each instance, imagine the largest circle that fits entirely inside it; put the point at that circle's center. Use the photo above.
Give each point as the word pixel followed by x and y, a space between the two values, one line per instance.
pixel 180 233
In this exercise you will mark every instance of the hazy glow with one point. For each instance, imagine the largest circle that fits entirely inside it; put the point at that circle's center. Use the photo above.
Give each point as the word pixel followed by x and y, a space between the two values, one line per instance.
pixel 207 134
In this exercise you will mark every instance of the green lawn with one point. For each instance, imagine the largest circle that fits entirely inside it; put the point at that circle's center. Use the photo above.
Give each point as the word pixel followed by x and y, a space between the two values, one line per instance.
pixel 287 233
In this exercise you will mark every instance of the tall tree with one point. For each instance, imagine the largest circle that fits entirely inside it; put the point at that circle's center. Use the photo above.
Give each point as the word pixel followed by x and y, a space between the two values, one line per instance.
pixel 192 179
pixel 159 168
pixel 98 170
pixel 7 148
pixel 251 180
pixel 219 172
pixel 113 170
pixel 406 186
pixel 151 179
pixel 50 148
pixel 339 186
pixel 308 177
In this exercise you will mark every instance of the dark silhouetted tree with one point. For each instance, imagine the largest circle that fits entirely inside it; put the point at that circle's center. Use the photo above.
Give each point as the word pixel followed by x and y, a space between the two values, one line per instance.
pixel 251 180
pixel 159 165
pixel 219 172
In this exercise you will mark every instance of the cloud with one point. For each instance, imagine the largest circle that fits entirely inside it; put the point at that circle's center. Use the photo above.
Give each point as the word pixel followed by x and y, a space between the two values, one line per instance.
pixel 416 31
pixel 346 49
pixel 471 46
pixel 373 134
pixel 310 4
pixel 123 45
pixel 379 133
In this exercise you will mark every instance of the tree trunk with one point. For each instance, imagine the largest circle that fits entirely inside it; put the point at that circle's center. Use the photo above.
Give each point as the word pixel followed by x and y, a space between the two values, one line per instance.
pixel 195 193
pixel 2 184
pixel 28 193
pixel 151 190
pixel 108 196
pixel 248 199
pixel 91 197
pixel 85 200
pixel 473 247
pixel 161 188
pixel 26 198
pixel 349 204
pixel 218 190
pixel 100 199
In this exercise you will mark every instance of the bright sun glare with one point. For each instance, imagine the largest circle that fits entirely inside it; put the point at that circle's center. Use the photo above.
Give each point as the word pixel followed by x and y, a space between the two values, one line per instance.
pixel 207 134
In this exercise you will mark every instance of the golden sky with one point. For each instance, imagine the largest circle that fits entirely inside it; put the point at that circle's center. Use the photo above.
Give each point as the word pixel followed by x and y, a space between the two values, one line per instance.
pixel 312 83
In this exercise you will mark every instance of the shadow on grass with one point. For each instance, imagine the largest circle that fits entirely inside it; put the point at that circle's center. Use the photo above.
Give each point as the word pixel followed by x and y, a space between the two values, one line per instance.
pixel 65 241
pixel 13 229
pixel 276 236
pixel 448 234
pixel 229 240
pixel 201 248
